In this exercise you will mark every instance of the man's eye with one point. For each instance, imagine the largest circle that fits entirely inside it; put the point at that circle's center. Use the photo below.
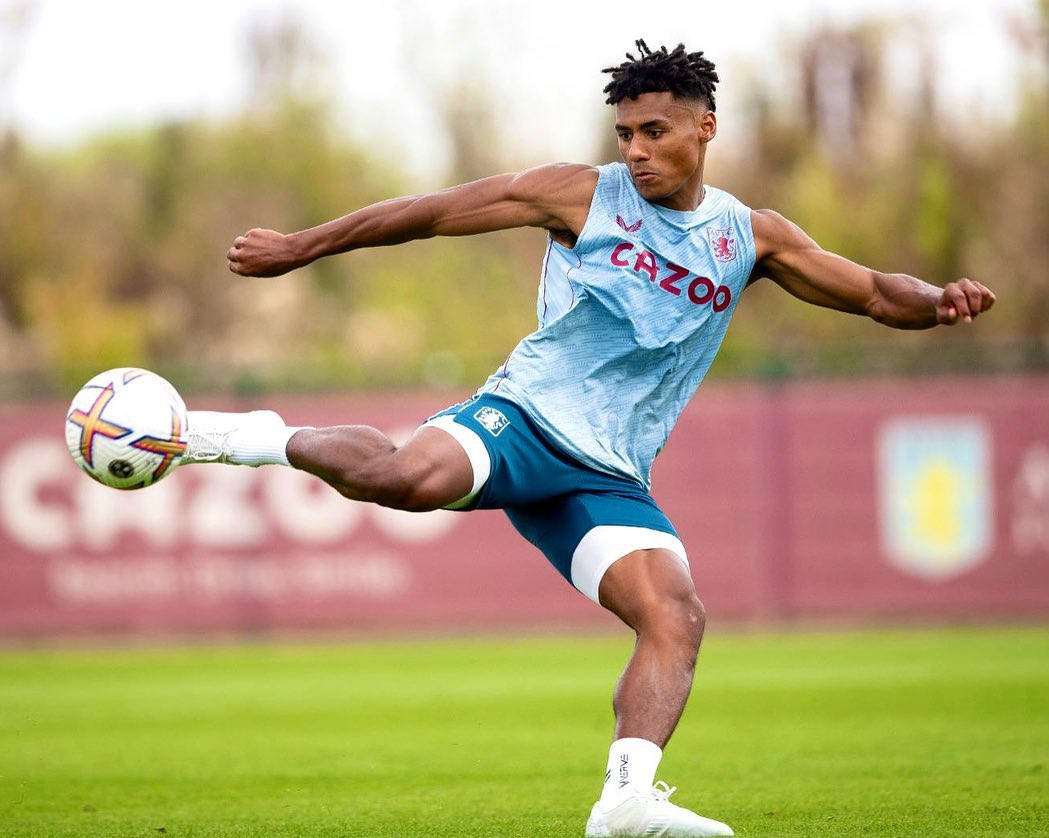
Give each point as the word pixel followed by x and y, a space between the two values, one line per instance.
pixel 624 136
pixel 655 133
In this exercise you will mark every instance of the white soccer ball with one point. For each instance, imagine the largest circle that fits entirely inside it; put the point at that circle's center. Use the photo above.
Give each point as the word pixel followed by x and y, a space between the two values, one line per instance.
pixel 127 428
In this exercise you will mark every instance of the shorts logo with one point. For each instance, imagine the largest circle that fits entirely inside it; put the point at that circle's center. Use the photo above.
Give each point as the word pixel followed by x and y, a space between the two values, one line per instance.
pixel 491 420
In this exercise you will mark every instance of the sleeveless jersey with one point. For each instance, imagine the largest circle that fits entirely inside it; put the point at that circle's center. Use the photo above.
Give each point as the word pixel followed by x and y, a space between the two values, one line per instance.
pixel 630 320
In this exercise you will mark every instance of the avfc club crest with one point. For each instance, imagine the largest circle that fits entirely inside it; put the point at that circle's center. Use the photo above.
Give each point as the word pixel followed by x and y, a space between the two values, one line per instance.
pixel 491 420
pixel 935 495
pixel 722 243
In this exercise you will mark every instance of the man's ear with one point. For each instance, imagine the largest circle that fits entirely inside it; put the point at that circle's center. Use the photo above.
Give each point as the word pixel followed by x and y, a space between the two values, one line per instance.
pixel 708 126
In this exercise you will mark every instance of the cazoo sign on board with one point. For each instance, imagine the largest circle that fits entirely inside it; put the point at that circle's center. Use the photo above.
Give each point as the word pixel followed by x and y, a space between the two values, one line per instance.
pixel 847 499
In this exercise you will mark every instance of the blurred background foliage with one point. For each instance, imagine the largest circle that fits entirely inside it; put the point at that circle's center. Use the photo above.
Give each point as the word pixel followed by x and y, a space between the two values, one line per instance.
pixel 112 251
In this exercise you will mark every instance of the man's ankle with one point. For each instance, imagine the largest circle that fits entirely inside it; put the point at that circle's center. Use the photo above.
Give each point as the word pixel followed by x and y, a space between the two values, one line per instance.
pixel 632 765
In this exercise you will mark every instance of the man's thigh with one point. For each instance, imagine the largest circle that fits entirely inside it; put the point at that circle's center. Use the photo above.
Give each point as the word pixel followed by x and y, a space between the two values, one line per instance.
pixel 514 463
pixel 441 472
pixel 584 533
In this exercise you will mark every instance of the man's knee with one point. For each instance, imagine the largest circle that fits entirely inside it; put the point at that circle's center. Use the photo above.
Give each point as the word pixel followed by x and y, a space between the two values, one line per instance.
pixel 652 592
pixel 676 617
pixel 696 619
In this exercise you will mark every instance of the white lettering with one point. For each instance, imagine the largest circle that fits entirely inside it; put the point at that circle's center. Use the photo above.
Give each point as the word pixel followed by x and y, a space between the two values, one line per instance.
pixel 212 579
pixel 1030 493
pixel 413 527
pixel 308 510
pixel 222 512
pixel 376 575
pixel 107 516
pixel 29 467
pixel 48 506
pixel 95 581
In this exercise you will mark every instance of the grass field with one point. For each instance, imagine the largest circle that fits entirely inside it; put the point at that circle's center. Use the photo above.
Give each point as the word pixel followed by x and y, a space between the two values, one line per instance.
pixel 898 733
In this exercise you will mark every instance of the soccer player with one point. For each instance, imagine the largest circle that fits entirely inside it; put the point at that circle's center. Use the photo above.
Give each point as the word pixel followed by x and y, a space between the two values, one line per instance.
pixel 644 267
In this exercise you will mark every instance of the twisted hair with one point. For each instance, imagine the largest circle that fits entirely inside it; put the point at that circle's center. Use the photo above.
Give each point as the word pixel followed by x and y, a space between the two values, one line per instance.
pixel 685 74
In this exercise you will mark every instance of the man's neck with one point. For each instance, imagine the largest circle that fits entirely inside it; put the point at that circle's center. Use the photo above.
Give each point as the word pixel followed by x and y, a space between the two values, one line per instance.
pixel 690 195
pixel 685 199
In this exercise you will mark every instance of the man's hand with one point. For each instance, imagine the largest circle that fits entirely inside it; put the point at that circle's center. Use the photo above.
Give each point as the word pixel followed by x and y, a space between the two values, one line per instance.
pixel 963 300
pixel 264 253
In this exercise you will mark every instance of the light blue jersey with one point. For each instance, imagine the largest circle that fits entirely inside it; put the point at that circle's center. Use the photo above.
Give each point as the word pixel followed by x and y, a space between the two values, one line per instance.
pixel 630 320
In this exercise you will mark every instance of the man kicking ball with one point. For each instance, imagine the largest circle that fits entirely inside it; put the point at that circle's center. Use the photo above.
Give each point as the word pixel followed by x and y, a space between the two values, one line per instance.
pixel 644 267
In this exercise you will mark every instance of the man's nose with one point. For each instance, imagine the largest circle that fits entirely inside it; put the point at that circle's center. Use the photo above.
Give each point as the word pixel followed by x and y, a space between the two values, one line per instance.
pixel 637 151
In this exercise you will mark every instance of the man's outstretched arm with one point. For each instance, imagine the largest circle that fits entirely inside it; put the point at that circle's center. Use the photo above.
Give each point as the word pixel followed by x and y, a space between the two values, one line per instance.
pixel 794 261
pixel 556 197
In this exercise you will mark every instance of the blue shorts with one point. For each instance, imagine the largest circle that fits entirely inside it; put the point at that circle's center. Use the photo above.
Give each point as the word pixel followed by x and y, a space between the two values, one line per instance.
pixel 581 519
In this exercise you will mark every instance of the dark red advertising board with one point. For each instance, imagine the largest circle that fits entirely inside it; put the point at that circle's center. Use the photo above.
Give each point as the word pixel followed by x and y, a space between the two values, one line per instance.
pixel 923 498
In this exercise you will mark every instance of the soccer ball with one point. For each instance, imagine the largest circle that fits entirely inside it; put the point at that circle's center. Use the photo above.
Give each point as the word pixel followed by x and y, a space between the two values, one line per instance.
pixel 126 428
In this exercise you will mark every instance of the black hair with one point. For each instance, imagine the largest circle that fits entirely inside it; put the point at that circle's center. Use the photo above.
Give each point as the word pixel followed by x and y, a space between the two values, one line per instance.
pixel 685 74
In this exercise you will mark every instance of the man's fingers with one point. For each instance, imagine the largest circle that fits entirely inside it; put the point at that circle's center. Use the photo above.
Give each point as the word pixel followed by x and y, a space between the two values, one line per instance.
pixel 963 300
pixel 233 256
pixel 973 296
pixel 258 252
pixel 957 299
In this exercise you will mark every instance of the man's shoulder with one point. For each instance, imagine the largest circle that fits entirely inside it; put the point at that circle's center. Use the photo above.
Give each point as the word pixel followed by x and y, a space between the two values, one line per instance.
pixel 773 232
pixel 563 191
pixel 559 181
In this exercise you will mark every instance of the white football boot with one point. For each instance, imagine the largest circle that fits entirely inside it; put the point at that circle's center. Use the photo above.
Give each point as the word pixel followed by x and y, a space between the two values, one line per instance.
pixel 214 437
pixel 650 812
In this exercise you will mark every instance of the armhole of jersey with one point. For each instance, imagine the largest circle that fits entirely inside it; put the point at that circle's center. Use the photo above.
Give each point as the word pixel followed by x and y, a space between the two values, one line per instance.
pixel 748 228
pixel 596 207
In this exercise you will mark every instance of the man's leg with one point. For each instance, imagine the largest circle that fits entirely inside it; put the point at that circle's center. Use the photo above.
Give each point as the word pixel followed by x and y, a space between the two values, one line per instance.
pixel 652 592
pixel 430 471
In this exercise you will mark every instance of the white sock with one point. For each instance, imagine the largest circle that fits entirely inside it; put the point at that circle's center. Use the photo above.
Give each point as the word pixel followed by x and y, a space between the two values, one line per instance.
pixel 632 764
pixel 248 439
pixel 261 446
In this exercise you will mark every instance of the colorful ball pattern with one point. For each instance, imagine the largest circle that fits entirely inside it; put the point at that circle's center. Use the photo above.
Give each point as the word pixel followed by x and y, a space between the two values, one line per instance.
pixel 127 428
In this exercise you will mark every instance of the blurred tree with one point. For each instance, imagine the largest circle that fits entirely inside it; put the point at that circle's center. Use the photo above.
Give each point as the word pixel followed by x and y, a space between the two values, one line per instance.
pixel 15 17
pixel 112 252
pixel 920 198
pixel 285 63
pixel 840 77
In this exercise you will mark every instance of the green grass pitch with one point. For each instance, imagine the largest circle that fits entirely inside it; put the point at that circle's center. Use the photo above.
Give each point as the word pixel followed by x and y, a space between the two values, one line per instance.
pixel 894 733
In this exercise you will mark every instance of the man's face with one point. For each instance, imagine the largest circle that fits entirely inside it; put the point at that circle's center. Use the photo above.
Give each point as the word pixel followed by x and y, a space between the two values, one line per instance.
pixel 662 141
